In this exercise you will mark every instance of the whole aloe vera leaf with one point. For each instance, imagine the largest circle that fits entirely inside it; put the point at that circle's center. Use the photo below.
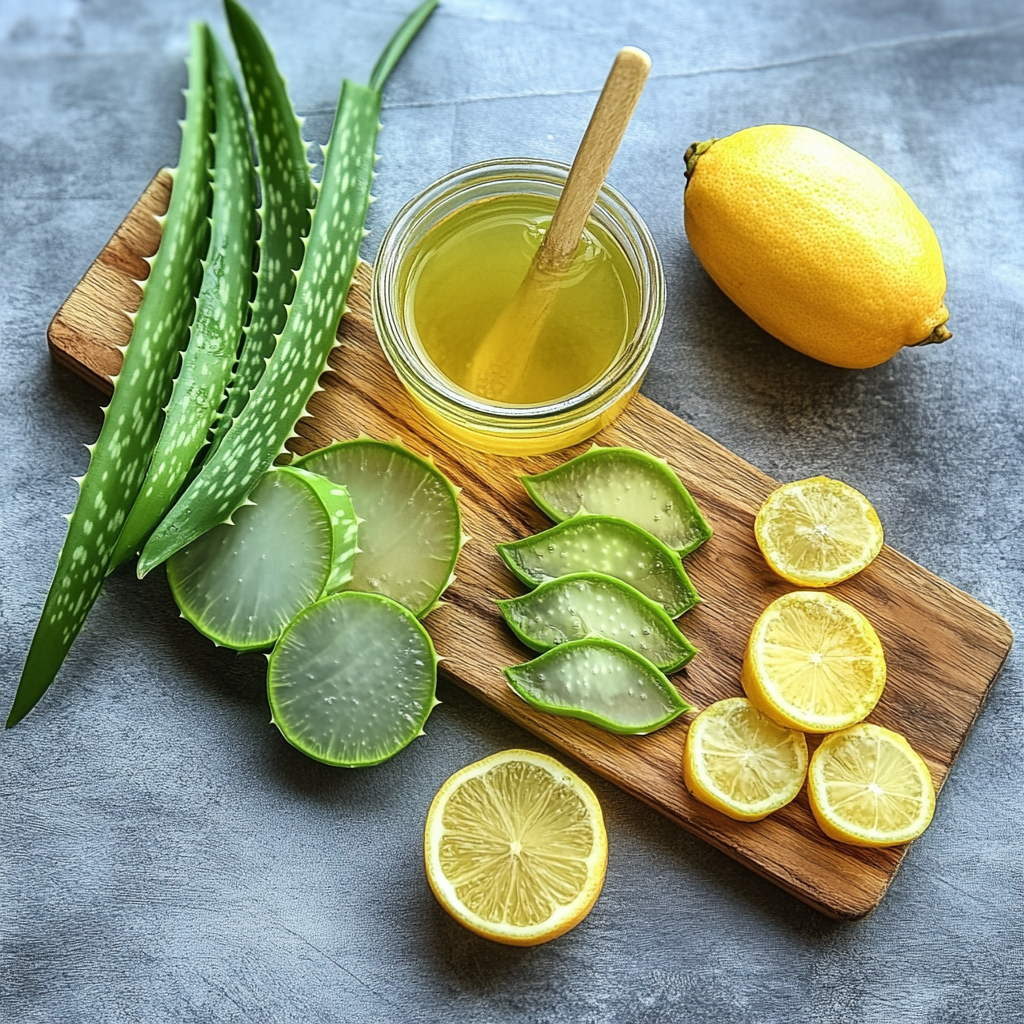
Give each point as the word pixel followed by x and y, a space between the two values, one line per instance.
pixel 352 680
pixel 411 532
pixel 602 682
pixel 622 482
pixel 609 545
pixel 240 584
pixel 592 604
pixel 216 331
pixel 277 402
pixel 131 423
pixel 287 196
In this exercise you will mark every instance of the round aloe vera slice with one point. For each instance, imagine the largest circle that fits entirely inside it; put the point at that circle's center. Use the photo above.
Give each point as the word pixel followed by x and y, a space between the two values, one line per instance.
pixel 599 681
pixel 592 604
pixel 622 482
pixel 608 545
pixel 241 583
pixel 411 532
pixel 352 680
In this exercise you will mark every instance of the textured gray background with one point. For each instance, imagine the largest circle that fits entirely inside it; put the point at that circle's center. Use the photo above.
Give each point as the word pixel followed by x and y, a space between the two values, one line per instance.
pixel 167 857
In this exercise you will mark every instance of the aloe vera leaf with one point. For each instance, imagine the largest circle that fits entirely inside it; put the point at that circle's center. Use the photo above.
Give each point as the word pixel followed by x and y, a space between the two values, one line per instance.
pixel 220 313
pixel 608 545
pixel 411 532
pixel 622 482
pixel 268 418
pixel 599 681
pixel 286 194
pixel 592 604
pixel 344 522
pixel 241 584
pixel 131 422
pixel 352 680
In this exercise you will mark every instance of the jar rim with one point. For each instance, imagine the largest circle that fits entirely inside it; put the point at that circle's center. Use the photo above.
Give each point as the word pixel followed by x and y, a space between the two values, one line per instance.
pixel 427 384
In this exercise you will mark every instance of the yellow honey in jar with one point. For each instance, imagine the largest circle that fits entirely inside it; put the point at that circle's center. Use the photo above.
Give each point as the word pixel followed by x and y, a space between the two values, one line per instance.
pixel 466 269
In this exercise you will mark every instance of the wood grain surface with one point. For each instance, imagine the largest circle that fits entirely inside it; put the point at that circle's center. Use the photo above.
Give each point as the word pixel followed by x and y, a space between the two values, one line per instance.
pixel 943 648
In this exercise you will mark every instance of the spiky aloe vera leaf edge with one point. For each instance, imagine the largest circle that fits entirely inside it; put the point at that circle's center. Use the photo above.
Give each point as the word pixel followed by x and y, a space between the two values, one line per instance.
pixel 411 533
pixel 240 584
pixel 286 197
pixel 352 680
pixel 220 313
pixel 622 482
pixel 131 421
pixel 592 604
pixel 601 682
pixel 268 418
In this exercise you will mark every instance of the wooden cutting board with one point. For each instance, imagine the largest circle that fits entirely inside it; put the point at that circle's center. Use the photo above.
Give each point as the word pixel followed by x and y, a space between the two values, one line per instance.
pixel 943 648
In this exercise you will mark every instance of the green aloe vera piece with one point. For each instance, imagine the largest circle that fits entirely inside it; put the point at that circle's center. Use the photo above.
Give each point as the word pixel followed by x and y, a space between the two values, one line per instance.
pixel 601 682
pixel 220 313
pixel 352 680
pixel 241 584
pixel 268 418
pixel 608 545
pixel 622 482
pixel 287 197
pixel 411 533
pixel 592 604
pixel 131 422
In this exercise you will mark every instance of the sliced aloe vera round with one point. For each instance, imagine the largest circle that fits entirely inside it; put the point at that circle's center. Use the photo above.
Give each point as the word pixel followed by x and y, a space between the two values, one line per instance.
pixel 352 680
pixel 627 483
pixel 411 532
pixel 608 545
pixel 592 604
pixel 599 681
pixel 241 583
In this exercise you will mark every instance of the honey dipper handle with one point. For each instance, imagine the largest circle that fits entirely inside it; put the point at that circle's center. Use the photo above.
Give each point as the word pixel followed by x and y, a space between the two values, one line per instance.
pixel 607 125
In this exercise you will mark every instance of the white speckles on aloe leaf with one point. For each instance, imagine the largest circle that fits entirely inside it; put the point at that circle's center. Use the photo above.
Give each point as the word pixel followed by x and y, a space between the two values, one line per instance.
pixel 287 196
pixel 220 313
pixel 241 584
pixel 131 421
pixel 601 682
pixel 608 545
pixel 592 604
pixel 627 483
pixel 277 402
pixel 411 532
pixel 352 679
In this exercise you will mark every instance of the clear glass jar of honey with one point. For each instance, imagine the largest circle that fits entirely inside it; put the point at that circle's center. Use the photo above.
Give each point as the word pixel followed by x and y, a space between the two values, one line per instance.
pixel 451 262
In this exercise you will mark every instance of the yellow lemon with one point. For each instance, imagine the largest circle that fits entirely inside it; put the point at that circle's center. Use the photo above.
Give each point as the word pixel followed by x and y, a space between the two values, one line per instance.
pixel 515 848
pixel 813 663
pixel 869 787
pixel 815 243
pixel 817 532
pixel 740 762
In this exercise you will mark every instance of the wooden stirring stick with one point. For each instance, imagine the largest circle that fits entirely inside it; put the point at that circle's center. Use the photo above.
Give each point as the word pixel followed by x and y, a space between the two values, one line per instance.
pixel 500 361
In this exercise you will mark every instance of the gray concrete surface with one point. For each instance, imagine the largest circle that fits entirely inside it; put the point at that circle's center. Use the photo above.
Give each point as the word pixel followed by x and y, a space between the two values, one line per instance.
pixel 166 857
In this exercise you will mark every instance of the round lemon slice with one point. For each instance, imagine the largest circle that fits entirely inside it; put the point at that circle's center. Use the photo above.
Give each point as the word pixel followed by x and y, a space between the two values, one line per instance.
pixel 813 663
pixel 741 763
pixel 869 787
pixel 817 532
pixel 515 848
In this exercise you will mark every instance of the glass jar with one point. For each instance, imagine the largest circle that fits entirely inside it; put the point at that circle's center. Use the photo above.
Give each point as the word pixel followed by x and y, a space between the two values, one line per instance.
pixel 494 426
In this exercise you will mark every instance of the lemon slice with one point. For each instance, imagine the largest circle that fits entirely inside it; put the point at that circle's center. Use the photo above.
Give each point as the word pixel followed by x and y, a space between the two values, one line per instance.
pixel 869 787
pixel 813 663
pixel 817 532
pixel 742 763
pixel 515 848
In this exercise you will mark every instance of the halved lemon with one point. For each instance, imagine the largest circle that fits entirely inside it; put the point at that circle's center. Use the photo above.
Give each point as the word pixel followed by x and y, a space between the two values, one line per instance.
pixel 813 663
pixel 515 848
pixel 817 532
pixel 741 763
pixel 869 787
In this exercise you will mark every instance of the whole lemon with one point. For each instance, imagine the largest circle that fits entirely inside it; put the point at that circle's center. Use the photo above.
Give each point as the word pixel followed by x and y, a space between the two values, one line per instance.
pixel 816 244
